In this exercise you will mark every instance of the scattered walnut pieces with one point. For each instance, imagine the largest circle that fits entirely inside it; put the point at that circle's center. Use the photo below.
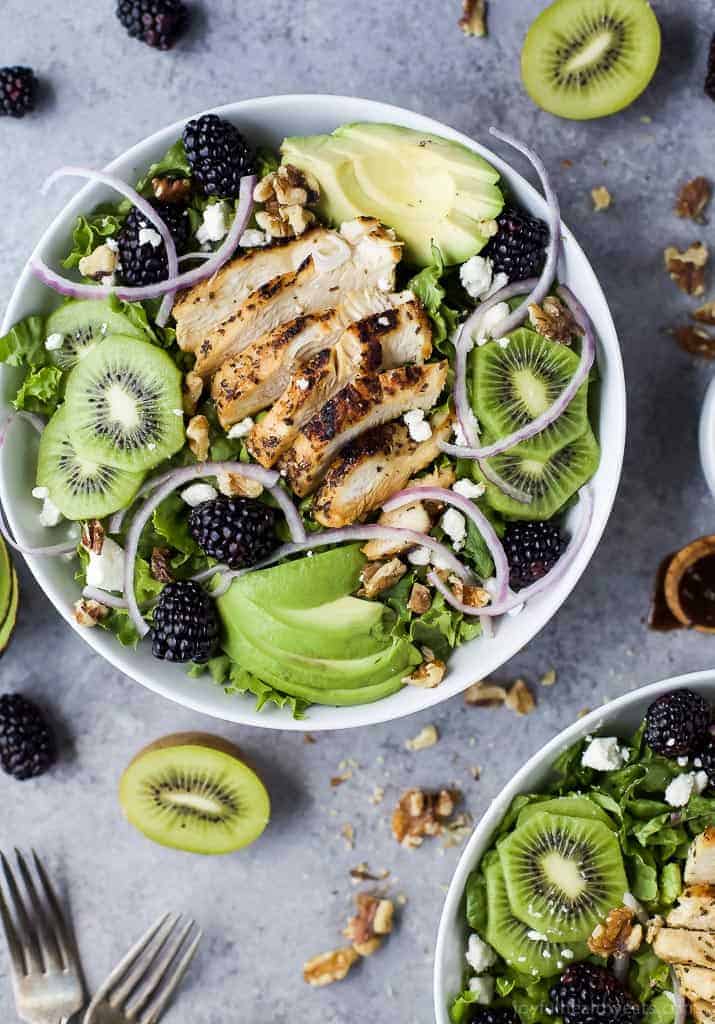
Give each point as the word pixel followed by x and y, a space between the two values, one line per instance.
pixel 601 198
pixel 372 921
pixel 192 389
pixel 286 194
pixel 362 873
pixel 329 967
pixel 468 593
pixel 427 675
pixel 88 613
pixel 485 694
pixel 519 698
pixel 197 434
pixel 348 834
pixel 695 340
pixel 687 268
pixel 420 599
pixel 420 814
pixel 548 678
pixel 554 320
pixel 693 197
pixel 237 485
pixel 379 576
pixel 617 935
pixel 377 795
pixel 160 565
pixel 93 536
pixel 338 780
pixel 425 738
pixel 474 18
pixel 705 314
pixel 100 263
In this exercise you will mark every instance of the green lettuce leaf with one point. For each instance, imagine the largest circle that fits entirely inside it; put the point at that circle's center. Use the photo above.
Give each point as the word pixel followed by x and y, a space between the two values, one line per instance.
pixel 429 288
pixel 174 164
pixel 234 679
pixel 267 161
pixel 24 344
pixel 41 391
pixel 92 230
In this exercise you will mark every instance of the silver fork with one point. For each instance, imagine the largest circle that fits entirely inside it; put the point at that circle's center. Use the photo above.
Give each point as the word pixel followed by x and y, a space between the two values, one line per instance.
pixel 141 985
pixel 46 975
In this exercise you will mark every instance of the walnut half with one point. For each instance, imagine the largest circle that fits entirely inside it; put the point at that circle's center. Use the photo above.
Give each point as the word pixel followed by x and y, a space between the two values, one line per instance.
pixel 373 921
pixel 420 813
pixel 554 320
pixel 687 268
pixel 329 967
pixel 617 935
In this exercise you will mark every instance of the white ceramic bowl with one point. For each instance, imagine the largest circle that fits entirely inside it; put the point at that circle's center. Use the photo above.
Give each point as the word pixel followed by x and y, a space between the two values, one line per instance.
pixel 706 436
pixel 619 718
pixel 266 121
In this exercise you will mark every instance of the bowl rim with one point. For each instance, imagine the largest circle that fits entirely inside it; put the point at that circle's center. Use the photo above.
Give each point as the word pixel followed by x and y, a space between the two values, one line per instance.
pixel 478 842
pixel 327 717
pixel 706 436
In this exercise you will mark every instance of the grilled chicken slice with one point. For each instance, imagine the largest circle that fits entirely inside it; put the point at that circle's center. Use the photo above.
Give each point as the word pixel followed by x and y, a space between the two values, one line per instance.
pixel 363 403
pixel 702 1012
pixel 382 341
pixel 681 946
pixel 372 468
pixel 695 909
pixel 255 378
pixel 312 288
pixel 697 983
pixel 700 866
pixel 202 308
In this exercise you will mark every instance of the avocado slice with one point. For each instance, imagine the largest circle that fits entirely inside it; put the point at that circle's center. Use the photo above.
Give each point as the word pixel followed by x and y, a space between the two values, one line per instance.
pixel 8 625
pixel 304 583
pixel 427 188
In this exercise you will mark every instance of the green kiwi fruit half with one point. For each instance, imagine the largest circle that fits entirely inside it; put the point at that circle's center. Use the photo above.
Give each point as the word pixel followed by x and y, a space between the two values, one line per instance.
pixel 80 487
pixel 82 325
pixel 589 58
pixel 124 403
pixel 192 791
pixel 515 384
pixel 562 874
pixel 550 479
pixel 514 941
pixel 573 806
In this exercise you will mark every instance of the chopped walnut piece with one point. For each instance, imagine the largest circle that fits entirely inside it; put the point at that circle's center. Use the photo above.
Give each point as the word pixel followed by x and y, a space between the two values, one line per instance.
pixel 696 341
pixel 197 433
pixel 601 198
pixel 193 386
pixel 427 675
pixel 519 698
pixel 693 197
pixel 687 268
pixel 372 921
pixel 171 190
pixel 329 967
pixel 474 18
pixel 420 814
pixel 101 262
pixel 485 694
pixel 93 536
pixel 554 320
pixel 160 565
pixel 468 593
pixel 420 599
pixel 548 678
pixel 705 314
pixel 617 935
pixel 377 577
pixel 427 737
pixel 89 613
pixel 286 194
pixel 362 873
pixel 238 485
pixel 273 225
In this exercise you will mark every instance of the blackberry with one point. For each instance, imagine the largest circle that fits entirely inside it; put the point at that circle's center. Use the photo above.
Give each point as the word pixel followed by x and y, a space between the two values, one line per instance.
pixel 494 1015
pixel 237 531
pixel 710 77
pixel 185 626
pixel 146 264
pixel 587 994
pixel 158 23
pixel 218 155
pixel 676 723
pixel 532 550
pixel 518 248
pixel 27 746
pixel 18 91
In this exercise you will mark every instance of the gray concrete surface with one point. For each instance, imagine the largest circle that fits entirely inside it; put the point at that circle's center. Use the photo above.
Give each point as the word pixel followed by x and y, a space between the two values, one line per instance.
pixel 267 910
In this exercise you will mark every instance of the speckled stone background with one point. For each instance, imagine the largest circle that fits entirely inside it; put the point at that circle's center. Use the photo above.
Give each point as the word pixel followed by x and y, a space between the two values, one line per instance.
pixel 267 910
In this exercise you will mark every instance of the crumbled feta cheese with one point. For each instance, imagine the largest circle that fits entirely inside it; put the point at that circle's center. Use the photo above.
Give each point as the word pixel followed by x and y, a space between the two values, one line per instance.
pixel 680 789
pixel 214 226
pixel 112 243
pixel 502 342
pixel 253 239
pixel 439 561
pixel 241 429
pixel 417 426
pixel 483 989
pixel 604 754
pixel 50 514
pixel 468 489
pixel 499 281
pixel 302 383
pixel 419 556
pixel 480 954
pixel 40 493
pixel 109 280
pixel 178 412
pixel 490 320
pixel 682 762
pixel 151 445
pixel 476 276
pixel 196 494
pixel 536 936
pixel 567 954
pixel 384 321
pixel 702 781
pixel 459 436
pixel 455 526
pixel 148 236
pixel 697 762
pixel 106 570
pixel 53 342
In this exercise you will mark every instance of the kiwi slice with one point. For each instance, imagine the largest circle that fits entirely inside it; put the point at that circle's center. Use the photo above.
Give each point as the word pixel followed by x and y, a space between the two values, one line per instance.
pixel 123 399
pixel 550 480
pixel 10 621
pixel 590 58
pixel 573 806
pixel 562 874
pixel 80 487
pixel 516 384
pixel 82 325
pixel 514 941
pixel 192 791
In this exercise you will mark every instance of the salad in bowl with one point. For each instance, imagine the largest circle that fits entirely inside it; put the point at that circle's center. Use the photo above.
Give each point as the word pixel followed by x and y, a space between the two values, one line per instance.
pixel 307 417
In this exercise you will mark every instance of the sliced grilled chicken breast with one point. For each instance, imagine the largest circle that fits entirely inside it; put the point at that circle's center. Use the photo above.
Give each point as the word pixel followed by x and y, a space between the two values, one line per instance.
pixel 695 909
pixel 202 308
pixel 700 866
pixel 697 983
pixel 384 340
pixel 254 378
pixel 312 288
pixel 703 1013
pixel 373 467
pixel 363 403
pixel 681 946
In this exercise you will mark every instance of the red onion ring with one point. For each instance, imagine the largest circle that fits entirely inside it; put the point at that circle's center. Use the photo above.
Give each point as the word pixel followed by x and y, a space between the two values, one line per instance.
pixel 500 607
pixel 195 256
pixel 542 289
pixel 19 414
pixel 588 355
pixel 103 597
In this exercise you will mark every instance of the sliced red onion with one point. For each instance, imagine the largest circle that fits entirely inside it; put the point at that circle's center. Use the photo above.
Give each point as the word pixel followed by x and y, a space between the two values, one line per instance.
pixel 681 1006
pixel 471 511
pixel 588 354
pixel 543 287
pixel 206 574
pixel 195 256
pixel 515 600
pixel 44 551
pixel 294 522
pixel 103 597
pixel 268 478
